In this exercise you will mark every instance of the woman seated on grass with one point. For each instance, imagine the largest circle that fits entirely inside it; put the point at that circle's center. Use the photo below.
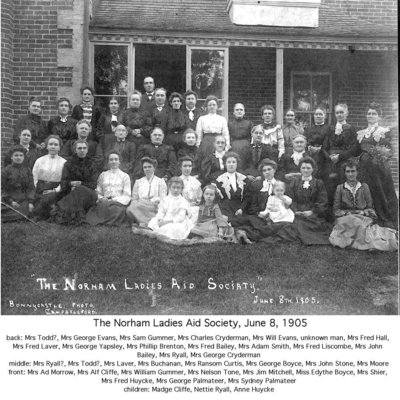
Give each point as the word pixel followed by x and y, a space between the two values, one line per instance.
pixel 78 183
pixel 17 188
pixel 210 221
pixel 47 173
pixel 173 216
pixel 147 193
pixel 310 203
pixel 353 208
pixel 114 194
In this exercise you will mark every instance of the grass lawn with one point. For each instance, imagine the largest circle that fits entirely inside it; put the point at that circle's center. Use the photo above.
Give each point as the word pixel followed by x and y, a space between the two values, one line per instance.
pixel 309 280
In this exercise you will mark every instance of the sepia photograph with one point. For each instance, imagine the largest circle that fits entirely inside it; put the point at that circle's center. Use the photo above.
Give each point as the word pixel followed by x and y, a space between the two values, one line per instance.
pixel 213 157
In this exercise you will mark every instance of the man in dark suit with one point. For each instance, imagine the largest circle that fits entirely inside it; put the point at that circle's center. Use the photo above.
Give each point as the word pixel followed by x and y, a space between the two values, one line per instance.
pixel 148 98
pixel 190 108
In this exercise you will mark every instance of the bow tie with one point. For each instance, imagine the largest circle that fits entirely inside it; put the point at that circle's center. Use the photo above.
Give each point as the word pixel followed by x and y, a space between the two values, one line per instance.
pixel 256 146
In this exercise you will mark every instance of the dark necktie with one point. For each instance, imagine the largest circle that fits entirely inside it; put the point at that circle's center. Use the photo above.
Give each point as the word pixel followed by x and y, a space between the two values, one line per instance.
pixel 256 154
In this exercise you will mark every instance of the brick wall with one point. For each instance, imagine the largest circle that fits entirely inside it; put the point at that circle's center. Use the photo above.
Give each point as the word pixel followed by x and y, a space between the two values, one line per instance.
pixel 7 70
pixel 380 11
pixel 42 49
pixel 251 79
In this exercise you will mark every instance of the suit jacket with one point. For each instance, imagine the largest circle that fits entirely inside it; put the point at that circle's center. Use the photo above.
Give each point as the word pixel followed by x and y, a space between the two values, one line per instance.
pixel 249 162
pixel 197 113
pixel 128 154
pixel 146 103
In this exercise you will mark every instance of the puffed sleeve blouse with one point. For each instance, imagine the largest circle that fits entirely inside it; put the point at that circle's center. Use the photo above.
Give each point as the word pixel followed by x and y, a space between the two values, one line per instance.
pixel 214 124
pixel 116 185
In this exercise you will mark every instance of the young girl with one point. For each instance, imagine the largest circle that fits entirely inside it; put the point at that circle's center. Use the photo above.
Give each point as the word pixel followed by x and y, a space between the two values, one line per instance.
pixel 173 216
pixel 277 209
pixel 211 222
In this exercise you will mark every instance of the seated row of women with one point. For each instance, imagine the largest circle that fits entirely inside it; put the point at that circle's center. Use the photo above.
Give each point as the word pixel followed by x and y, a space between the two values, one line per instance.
pixel 253 211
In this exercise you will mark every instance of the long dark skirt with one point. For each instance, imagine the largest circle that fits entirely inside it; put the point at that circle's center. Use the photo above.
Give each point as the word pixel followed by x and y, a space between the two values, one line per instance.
pixel 72 208
pixel 377 175
pixel 306 230
pixel 43 202
pixel 255 227
pixel 107 213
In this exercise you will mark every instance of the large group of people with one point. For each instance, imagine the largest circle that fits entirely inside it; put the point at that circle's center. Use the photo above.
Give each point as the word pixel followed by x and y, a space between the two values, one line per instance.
pixel 184 171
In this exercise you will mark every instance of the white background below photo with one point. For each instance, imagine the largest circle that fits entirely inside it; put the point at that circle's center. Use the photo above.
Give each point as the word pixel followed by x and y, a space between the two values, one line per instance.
pixel 243 356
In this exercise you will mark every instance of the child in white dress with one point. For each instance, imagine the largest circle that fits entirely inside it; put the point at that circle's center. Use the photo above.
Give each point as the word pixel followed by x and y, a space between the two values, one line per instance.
pixel 277 209
pixel 173 216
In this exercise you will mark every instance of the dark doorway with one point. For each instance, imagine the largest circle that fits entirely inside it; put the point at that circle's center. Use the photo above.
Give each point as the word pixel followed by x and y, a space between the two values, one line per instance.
pixel 165 63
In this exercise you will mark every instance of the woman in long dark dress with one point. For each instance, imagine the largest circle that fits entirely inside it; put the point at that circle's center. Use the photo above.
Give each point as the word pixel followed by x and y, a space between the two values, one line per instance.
pixel 339 145
pixel 78 184
pixel 355 225
pixel 374 167
pixel 17 188
pixel 114 195
pixel 309 204
pixel 176 122
pixel 239 130
pixel 137 120
pixel 108 123
pixel 315 135
pixel 256 228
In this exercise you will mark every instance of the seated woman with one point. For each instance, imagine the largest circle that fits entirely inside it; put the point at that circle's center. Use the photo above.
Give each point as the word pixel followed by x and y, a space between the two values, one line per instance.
pixel 188 148
pixel 78 183
pixel 17 188
pixel 47 173
pixel 213 165
pixel 147 193
pixel 173 216
pixel 310 203
pixel 277 209
pixel 210 221
pixel 95 151
pixel 257 228
pixel 176 122
pixel 63 125
pixel 354 226
pixel 126 150
pixel 163 153
pixel 114 195
pixel 255 153
pixel 32 151
pixel 233 188
pixel 289 163
pixel 108 122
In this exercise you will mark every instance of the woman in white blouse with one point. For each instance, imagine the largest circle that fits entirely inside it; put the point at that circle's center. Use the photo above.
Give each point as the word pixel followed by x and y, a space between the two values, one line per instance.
pixel 211 125
pixel 47 172
pixel 114 195
pixel 146 194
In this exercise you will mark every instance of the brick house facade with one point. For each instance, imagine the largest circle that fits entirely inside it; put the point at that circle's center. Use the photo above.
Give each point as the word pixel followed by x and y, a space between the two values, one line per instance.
pixel 49 48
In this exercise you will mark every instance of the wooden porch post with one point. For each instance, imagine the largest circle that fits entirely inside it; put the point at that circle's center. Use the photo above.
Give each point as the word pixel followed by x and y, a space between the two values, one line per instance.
pixel 279 86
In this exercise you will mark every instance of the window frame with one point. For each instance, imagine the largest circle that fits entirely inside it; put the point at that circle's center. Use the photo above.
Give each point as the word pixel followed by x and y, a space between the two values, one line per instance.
pixel 225 83
pixel 310 74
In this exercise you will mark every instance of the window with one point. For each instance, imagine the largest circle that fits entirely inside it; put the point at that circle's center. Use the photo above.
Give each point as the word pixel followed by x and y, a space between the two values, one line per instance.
pixel 110 73
pixel 207 73
pixel 310 90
